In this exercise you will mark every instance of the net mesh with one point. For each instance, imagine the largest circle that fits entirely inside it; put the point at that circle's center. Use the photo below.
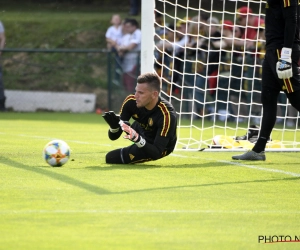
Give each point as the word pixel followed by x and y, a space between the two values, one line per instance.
pixel 209 56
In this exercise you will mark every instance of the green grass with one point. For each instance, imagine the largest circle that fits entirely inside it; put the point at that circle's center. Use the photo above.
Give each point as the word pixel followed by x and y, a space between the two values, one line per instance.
pixel 188 200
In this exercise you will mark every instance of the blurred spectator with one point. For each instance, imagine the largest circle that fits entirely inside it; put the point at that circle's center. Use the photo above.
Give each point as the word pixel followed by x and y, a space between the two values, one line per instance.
pixel 129 51
pixel 248 22
pixel 134 7
pixel 159 26
pixel 114 36
pixel 168 42
pixel 166 46
pixel 181 38
pixel 230 95
pixel 2 44
pixel 114 32
pixel 181 35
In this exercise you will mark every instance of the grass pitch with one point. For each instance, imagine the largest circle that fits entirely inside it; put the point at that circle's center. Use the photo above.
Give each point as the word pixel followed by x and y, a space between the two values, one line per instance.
pixel 188 200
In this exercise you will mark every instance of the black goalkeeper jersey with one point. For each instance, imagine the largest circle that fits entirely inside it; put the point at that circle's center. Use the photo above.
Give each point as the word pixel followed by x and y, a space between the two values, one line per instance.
pixel 282 24
pixel 158 126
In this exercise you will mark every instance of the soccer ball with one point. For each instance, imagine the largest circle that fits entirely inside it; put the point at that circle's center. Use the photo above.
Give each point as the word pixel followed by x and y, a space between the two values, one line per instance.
pixel 56 153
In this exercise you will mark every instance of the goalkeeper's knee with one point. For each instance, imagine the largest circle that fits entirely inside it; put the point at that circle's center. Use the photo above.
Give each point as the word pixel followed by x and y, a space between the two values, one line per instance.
pixel 114 157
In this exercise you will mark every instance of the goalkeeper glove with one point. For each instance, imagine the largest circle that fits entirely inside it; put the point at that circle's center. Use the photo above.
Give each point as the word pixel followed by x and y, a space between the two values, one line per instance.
pixel 284 65
pixel 132 135
pixel 112 120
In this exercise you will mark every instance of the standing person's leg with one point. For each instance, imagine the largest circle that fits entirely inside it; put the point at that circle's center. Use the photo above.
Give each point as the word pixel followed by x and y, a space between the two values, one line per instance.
pixel 269 102
pixel 294 96
pixel 271 87
pixel 294 99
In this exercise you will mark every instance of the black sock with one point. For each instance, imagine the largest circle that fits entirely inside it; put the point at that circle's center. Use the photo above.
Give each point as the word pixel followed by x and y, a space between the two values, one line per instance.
pixel 260 145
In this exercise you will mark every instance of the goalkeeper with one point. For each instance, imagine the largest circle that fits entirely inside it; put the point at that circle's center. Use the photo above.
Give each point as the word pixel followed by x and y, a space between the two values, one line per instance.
pixel 279 69
pixel 153 131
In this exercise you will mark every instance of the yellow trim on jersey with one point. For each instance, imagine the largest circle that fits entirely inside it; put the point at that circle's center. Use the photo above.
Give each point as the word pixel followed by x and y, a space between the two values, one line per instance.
pixel 286 3
pixel 167 119
pixel 141 161
pixel 288 85
pixel 130 97
pixel 278 53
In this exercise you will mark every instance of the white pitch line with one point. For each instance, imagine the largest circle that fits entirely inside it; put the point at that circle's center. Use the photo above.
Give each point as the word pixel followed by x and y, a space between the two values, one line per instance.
pixel 173 211
pixel 51 138
pixel 244 165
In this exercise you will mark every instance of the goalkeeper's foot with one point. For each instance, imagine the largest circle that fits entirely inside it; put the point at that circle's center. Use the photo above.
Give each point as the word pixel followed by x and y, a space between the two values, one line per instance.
pixel 250 156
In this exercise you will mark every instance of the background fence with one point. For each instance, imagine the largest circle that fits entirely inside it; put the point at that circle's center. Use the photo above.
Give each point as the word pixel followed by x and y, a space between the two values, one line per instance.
pixel 30 75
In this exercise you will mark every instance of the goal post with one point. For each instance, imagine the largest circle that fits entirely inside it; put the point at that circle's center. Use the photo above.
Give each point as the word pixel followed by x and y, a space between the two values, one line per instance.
pixel 147 42
pixel 209 56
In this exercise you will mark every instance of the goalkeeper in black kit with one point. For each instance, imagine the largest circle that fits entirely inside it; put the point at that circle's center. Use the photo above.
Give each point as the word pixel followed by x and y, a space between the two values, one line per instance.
pixel 280 69
pixel 153 131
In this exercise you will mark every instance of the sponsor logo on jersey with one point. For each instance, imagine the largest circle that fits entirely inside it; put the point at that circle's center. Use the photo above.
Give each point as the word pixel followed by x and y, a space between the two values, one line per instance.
pixel 150 121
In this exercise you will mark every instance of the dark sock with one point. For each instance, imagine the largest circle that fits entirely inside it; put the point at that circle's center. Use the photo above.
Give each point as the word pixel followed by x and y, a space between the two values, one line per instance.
pixel 260 145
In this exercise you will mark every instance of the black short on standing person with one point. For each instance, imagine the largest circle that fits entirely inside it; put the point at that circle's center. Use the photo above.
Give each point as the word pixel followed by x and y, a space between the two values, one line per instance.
pixel 153 131
pixel 279 68
pixel 2 44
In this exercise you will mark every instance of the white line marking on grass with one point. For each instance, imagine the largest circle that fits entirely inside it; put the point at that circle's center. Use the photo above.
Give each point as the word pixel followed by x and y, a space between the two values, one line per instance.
pixel 51 138
pixel 173 211
pixel 263 169
pixel 243 165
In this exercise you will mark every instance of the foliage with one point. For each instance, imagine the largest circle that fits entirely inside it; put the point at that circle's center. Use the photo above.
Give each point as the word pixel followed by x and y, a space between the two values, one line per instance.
pixel 48 29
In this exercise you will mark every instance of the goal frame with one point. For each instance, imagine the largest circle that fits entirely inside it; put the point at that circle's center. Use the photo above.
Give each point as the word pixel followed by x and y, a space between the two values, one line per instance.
pixel 147 65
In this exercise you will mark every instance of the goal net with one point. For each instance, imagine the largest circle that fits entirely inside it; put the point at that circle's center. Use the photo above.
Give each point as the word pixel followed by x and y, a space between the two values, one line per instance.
pixel 209 56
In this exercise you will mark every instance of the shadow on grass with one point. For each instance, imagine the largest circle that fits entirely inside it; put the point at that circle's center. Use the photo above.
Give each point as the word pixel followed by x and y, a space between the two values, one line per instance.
pixel 208 185
pixel 101 191
pixel 109 167
pixel 56 176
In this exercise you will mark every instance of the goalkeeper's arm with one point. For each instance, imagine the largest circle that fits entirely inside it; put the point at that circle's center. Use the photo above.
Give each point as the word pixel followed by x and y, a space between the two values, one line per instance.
pixel 112 120
pixel 114 135
pixel 154 151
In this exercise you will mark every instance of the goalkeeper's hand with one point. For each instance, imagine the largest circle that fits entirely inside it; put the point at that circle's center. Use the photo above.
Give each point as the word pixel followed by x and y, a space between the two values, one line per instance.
pixel 132 135
pixel 284 65
pixel 112 120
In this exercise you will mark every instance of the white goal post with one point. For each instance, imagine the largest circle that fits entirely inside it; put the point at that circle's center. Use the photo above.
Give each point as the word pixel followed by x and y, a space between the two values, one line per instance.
pixel 208 54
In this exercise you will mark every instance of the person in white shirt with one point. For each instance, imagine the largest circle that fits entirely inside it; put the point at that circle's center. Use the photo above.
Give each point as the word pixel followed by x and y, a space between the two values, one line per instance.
pixel 114 33
pixel 2 44
pixel 129 51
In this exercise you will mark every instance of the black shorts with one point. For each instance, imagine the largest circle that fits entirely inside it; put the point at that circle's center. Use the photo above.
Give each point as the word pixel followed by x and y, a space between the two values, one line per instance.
pixel 134 154
pixel 269 74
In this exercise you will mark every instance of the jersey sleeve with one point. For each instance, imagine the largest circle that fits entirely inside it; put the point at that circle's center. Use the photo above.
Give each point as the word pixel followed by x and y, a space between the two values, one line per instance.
pixel 127 108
